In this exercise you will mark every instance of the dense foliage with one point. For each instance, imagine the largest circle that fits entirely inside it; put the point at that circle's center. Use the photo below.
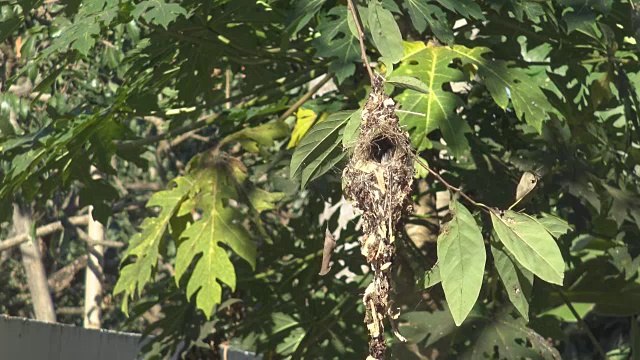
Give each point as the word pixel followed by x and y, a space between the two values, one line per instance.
pixel 232 121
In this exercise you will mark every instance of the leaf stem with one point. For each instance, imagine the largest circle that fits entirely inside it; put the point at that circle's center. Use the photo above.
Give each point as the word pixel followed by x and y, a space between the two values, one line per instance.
pixel 582 324
pixel 363 50
pixel 451 187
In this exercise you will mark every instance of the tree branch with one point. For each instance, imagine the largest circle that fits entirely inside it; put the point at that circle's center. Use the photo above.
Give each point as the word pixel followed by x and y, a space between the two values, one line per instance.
pixel 62 278
pixel 42 231
pixel 306 96
pixel 451 187
pixel 582 324
pixel 363 50
pixel 200 123
pixel 91 242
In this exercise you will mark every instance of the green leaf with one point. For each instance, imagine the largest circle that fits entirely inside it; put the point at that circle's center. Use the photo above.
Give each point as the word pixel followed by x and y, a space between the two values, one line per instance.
pixel 418 325
pixel 304 12
pixel 554 225
pixel 517 280
pixel 431 66
pixel 466 8
pixel 158 12
pixel 461 256
pixel 352 129
pixel 423 13
pixel 431 277
pixel 530 244
pixel 504 337
pixel 46 83
pixel 264 135
pixel 408 82
pixel 564 313
pixel 336 41
pixel 623 261
pixel 81 34
pixel 320 149
pixel 509 83
pixel 144 246
pixel 385 32
pixel 216 182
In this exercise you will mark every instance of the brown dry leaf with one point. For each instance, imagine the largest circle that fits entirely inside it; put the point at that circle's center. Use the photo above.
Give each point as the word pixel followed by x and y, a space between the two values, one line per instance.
pixel 329 245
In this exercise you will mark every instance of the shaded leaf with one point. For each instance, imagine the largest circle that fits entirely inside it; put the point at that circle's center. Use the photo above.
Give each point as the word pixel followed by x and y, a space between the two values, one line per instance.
pixel 336 41
pixel 504 337
pixel 418 325
pixel 423 13
pixel 517 281
pixel 509 83
pixel 431 277
pixel 385 32
pixel 466 8
pixel 158 12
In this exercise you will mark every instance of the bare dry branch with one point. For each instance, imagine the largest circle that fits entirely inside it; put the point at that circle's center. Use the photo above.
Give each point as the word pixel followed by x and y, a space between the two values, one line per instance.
pixel 42 231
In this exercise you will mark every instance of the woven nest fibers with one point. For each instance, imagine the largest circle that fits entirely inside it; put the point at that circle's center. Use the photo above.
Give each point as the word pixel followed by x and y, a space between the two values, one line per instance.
pixel 382 162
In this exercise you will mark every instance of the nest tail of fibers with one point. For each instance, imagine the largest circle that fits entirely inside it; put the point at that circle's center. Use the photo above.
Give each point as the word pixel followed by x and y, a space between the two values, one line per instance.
pixel 378 180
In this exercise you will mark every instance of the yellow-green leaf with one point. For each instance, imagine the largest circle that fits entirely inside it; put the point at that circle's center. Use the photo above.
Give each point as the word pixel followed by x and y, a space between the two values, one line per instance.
pixel 304 120
pixel 144 246
pixel 264 135
pixel 221 223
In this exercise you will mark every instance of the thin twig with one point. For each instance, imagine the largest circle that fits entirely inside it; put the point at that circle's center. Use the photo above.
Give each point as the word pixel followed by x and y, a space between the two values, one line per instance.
pixel 451 187
pixel 582 324
pixel 363 50
pixel 227 87
pixel 306 96
pixel 200 123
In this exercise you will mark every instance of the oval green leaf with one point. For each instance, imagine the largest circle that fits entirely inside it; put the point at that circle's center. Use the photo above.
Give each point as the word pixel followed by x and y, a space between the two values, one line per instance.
pixel 385 32
pixel 461 256
pixel 517 281
pixel 530 244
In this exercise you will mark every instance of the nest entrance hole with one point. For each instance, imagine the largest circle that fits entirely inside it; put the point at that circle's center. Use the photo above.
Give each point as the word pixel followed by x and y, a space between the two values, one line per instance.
pixel 381 148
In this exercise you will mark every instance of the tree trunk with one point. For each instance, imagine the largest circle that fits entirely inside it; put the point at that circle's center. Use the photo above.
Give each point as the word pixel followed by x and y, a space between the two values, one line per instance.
pixel 94 276
pixel 36 275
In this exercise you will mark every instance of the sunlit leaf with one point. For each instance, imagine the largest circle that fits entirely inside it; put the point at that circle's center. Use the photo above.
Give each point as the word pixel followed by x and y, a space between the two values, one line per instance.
pixel 461 259
pixel 144 246
pixel 530 244
pixel 320 149
pixel 304 120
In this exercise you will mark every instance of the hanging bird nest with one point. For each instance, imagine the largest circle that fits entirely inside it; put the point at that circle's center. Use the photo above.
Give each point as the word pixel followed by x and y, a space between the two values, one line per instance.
pixel 378 180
